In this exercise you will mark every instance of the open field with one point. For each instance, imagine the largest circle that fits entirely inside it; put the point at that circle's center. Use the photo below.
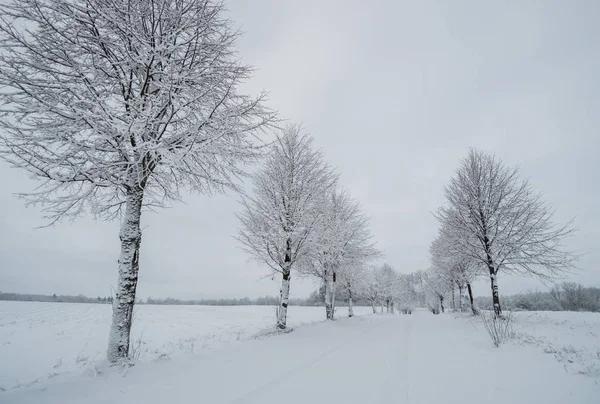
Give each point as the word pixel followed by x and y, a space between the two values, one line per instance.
pixel 42 340
pixel 413 359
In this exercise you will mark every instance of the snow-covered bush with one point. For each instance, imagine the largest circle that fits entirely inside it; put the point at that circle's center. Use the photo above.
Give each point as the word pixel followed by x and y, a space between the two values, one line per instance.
pixel 499 328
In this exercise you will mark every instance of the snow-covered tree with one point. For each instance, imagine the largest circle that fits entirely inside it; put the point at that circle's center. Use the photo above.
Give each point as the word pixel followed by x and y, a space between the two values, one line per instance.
pixel 343 240
pixel 450 263
pixel 120 105
pixel 435 289
pixel 354 282
pixel 387 279
pixel 280 221
pixel 372 288
pixel 502 223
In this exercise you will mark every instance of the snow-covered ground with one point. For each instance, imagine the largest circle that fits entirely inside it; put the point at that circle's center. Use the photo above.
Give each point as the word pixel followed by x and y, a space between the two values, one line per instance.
pixel 572 338
pixel 421 358
pixel 43 340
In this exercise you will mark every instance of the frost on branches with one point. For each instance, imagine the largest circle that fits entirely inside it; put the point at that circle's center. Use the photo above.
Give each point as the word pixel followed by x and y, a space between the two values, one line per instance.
pixel 450 263
pixel 354 281
pixel 115 105
pixel 279 222
pixel 500 222
pixel 343 241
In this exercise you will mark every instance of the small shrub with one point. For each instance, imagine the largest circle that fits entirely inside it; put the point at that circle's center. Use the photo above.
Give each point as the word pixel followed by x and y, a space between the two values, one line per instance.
pixel 499 328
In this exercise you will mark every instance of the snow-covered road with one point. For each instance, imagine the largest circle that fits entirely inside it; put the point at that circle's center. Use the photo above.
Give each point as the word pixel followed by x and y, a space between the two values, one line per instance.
pixel 369 359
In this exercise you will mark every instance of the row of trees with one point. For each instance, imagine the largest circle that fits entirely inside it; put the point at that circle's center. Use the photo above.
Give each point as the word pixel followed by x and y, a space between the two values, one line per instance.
pixel 300 220
pixel 244 301
pixel 26 297
pixel 493 221
pixel 121 106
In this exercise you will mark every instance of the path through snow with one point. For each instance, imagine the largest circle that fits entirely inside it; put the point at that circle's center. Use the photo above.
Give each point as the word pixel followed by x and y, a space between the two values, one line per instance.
pixel 370 359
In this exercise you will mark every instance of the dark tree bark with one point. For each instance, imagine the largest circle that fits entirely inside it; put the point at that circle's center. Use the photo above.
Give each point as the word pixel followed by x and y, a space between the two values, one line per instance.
pixel 471 299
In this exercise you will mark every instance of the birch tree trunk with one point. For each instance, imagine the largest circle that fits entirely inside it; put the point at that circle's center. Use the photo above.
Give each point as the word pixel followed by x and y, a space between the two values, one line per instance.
pixel 493 279
pixel 333 295
pixel 471 299
pixel 495 295
pixel 124 300
pixel 284 300
pixel 373 306
pixel 460 298
pixel 284 294
pixel 453 300
pixel 350 304
pixel 442 302
pixel 328 294
pixel 392 307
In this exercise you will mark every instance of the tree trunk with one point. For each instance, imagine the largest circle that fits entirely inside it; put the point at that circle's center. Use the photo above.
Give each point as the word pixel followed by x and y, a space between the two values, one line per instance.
pixel 493 279
pixel 284 298
pixel 442 302
pixel 350 304
pixel 284 293
pixel 460 298
pixel 328 294
pixel 453 300
pixel 387 306
pixel 333 288
pixel 124 300
pixel 392 307
pixel 471 299
pixel 495 296
pixel 373 306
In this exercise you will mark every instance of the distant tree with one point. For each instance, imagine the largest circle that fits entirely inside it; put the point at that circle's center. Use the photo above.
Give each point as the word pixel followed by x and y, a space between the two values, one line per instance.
pixel 449 261
pixel 386 278
pixel 503 223
pixel 354 284
pixel 342 240
pixel 118 105
pixel 278 222
pixel 372 288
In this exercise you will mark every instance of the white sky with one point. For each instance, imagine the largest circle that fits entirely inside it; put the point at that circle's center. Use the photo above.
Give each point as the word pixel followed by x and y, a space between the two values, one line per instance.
pixel 394 92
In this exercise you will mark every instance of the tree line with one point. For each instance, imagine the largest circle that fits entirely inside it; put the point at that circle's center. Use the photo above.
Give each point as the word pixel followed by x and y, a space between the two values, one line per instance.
pixel 494 222
pixel 117 108
pixel 566 296
pixel 27 297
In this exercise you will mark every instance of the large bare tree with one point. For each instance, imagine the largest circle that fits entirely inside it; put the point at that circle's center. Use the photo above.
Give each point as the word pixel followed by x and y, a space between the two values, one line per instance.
pixel 501 222
pixel 117 105
pixel 279 221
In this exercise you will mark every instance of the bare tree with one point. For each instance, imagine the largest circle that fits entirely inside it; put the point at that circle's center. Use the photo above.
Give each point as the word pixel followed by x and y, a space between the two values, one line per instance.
pixel 354 281
pixel 501 222
pixel 289 203
pixel 119 105
pixel 387 279
pixel 435 289
pixel 372 288
pixel 449 262
pixel 343 240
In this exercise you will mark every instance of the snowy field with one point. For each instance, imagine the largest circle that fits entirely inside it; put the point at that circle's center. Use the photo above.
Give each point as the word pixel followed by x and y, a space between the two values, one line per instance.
pixel 572 338
pixel 207 354
pixel 417 359
pixel 43 340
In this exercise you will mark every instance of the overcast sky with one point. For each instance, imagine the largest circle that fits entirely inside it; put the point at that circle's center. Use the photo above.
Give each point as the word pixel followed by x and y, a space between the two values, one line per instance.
pixel 394 93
